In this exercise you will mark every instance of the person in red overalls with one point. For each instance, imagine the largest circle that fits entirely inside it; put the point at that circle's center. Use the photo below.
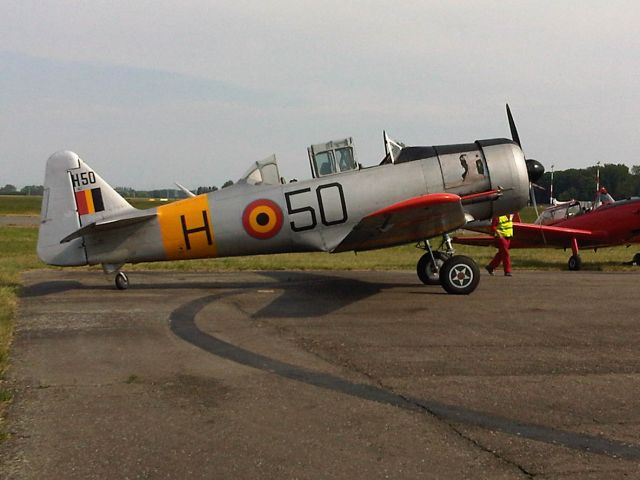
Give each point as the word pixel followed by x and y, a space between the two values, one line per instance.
pixel 502 228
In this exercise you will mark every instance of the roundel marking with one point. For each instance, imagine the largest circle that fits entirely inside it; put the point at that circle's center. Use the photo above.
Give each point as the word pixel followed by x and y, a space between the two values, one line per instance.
pixel 262 219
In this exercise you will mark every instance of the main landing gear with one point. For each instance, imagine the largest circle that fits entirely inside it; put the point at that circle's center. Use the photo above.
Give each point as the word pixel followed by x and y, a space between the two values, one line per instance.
pixel 575 262
pixel 458 274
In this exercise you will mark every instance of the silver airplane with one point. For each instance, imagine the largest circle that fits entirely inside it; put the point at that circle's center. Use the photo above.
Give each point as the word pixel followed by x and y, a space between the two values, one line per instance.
pixel 415 194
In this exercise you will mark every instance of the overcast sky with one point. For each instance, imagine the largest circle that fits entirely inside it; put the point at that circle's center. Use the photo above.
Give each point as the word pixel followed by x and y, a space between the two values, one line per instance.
pixel 152 92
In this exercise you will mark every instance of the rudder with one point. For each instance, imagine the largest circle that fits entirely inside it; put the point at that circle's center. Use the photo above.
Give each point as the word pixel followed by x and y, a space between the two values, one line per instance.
pixel 74 196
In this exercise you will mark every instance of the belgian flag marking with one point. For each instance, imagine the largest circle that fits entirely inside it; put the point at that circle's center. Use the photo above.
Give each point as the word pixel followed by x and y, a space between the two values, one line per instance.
pixel 89 201
pixel 262 219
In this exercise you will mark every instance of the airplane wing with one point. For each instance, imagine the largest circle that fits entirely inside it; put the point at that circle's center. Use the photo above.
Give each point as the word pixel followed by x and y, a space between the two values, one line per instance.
pixel 425 216
pixel 530 235
pixel 106 225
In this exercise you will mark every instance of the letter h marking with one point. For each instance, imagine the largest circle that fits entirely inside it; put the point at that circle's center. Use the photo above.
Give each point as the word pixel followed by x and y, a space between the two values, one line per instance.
pixel 205 228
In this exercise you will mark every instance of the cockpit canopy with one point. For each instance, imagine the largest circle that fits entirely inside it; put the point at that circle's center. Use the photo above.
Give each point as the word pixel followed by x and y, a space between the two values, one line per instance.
pixel 561 212
pixel 262 172
pixel 332 157
pixel 573 208
pixel 602 198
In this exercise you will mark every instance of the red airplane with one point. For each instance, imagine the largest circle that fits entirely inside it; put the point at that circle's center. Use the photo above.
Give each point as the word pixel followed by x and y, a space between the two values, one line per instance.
pixel 605 223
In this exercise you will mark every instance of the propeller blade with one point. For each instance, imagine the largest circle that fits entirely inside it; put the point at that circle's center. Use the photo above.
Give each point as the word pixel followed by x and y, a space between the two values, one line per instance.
pixel 535 169
pixel 532 196
pixel 512 126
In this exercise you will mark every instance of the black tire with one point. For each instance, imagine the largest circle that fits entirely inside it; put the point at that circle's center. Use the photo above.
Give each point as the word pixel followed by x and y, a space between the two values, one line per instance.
pixel 636 259
pixel 122 282
pixel 575 262
pixel 459 275
pixel 426 271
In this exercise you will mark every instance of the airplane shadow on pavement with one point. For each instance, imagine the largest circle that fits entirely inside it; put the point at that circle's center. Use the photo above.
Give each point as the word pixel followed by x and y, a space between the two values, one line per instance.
pixel 183 324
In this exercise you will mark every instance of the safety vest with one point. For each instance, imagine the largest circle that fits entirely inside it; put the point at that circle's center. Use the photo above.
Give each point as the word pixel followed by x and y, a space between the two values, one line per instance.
pixel 505 226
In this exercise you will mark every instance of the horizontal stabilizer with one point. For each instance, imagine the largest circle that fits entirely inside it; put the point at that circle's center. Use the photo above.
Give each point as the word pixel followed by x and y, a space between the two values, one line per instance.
pixel 107 225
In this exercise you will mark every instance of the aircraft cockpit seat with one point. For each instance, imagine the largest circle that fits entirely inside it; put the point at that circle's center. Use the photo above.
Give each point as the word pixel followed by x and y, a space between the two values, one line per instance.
pixel 325 169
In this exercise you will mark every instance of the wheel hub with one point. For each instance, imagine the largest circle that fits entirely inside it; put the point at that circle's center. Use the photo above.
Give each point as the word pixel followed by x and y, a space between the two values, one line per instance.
pixel 461 275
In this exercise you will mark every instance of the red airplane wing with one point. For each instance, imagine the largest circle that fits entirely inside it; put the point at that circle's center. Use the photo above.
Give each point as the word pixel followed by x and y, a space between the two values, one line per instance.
pixel 530 235
pixel 533 235
pixel 425 216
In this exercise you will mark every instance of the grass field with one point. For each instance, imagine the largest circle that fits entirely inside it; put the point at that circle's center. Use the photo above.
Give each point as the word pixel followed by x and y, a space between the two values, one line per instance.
pixel 18 245
pixel 19 205
pixel 17 254
pixel 30 205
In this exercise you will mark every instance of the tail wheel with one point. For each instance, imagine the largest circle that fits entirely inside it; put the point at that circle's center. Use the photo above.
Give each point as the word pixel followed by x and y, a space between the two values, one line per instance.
pixel 575 262
pixel 122 282
pixel 428 273
pixel 459 275
pixel 636 259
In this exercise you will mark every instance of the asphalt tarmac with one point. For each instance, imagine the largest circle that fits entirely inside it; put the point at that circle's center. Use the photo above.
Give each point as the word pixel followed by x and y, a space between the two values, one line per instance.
pixel 325 375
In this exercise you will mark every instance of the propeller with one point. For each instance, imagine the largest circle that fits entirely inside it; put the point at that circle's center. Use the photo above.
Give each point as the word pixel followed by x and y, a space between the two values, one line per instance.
pixel 535 169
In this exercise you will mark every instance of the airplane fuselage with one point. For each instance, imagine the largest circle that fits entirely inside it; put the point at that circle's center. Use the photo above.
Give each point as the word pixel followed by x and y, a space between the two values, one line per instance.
pixel 310 215
pixel 617 223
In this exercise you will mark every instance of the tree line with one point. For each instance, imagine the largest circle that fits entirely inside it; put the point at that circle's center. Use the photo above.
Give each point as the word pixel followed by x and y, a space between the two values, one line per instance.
pixel 580 183
pixel 129 192
pixel 9 189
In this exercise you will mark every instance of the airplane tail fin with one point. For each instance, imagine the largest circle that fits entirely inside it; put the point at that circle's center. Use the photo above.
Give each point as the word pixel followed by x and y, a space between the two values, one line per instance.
pixel 74 196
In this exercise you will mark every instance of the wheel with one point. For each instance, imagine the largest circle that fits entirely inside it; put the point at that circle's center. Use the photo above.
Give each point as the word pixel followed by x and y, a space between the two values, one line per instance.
pixel 459 275
pixel 636 259
pixel 427 272
pixel 122 282
pixel 575 262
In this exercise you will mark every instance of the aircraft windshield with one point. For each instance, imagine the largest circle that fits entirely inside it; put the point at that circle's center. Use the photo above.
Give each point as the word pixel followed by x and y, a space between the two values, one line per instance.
pixel 602 198
pixel 263 172
pixel 331 157
pixel 557 214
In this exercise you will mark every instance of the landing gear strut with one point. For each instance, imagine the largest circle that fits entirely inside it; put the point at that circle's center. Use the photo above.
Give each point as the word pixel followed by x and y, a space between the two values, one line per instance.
pixel 429 265
pixel 575 262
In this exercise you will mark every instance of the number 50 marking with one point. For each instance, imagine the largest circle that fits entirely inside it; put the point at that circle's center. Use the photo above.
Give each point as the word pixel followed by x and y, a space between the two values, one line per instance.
pixel 321 193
